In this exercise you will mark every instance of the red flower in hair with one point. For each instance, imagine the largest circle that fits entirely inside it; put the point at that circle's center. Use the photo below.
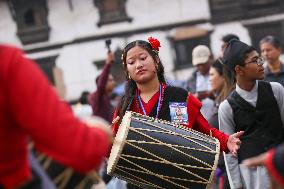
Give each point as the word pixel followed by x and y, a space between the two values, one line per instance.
pixel 155 43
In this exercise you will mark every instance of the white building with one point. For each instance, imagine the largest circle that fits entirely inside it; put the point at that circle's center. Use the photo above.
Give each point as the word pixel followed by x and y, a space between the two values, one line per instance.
pixel 70 34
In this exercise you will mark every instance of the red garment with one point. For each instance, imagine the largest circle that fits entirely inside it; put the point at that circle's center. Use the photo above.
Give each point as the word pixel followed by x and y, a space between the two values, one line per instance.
pixel 271 166
pixel 99 100
pixel 30 107
pixel 196 119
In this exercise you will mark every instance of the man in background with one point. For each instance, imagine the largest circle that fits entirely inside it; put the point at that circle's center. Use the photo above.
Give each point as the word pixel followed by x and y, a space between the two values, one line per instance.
pixel 198 83
pixel 271 50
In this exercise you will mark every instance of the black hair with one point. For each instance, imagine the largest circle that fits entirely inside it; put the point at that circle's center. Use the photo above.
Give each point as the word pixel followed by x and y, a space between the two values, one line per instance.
pixel 229 37
pixel 236 53
pixel 218 66
pixel 272 40
pixel 244 56
pixel 84 97
pixel 131 86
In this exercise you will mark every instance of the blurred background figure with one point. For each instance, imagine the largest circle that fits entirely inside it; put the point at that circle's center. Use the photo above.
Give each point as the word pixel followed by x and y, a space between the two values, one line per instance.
pixel 271 50
pixel 114 99
pixel 82 108
pixel 100 99
pixel 198 83
pixel 220 91
pixel 104 100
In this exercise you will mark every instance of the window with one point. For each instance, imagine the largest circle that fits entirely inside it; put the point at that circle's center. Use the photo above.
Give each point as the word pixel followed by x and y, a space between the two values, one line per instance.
pixel 53 74
pixel 184 42
pixel 111 11
pixel 238 10
pixel 47 65
pixel 31 20
pixel 258 31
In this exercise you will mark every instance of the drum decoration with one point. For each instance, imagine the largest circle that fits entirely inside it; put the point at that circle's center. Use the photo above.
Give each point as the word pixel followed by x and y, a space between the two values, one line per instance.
pixel 152 153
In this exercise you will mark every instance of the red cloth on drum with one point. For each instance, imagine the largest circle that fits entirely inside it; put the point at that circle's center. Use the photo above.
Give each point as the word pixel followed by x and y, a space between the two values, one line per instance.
pixel 196 119
pixel 30 107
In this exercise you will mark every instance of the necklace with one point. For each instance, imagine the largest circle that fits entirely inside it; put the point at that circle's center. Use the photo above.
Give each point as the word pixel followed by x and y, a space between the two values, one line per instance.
pixel 159 102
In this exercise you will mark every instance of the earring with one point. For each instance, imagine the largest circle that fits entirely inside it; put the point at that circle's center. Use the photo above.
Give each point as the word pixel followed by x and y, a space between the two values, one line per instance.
pixel 129 77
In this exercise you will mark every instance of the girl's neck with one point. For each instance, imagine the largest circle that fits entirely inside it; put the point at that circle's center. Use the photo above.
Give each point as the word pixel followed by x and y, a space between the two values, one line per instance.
pixel 147 90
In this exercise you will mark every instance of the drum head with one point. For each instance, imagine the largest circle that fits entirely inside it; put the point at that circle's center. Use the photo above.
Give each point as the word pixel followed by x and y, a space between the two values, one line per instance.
pixel 118 143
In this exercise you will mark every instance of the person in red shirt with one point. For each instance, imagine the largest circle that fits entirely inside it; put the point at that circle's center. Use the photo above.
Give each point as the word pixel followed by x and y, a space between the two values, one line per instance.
pixel 31 109
pixel 147 93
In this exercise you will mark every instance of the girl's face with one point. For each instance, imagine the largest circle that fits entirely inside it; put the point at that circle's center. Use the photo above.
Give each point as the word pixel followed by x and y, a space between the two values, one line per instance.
pixel 216 80
pixel 140 65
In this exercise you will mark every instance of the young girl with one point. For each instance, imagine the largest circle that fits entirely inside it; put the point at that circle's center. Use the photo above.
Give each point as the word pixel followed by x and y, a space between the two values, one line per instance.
pixel 147 93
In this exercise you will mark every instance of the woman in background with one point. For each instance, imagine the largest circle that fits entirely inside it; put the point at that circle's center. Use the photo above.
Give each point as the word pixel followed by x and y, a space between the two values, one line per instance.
pixel 221 87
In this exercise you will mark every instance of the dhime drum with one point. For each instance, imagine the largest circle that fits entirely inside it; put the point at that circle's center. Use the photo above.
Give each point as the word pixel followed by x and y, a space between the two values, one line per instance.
pixel 153 153
pixel 65 177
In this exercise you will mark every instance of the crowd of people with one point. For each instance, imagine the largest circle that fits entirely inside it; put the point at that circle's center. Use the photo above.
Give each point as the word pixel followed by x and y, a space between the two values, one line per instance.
pixel 237 98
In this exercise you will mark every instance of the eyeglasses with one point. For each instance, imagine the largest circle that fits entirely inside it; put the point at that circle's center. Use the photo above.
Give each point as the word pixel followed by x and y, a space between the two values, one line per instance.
pixel 259 61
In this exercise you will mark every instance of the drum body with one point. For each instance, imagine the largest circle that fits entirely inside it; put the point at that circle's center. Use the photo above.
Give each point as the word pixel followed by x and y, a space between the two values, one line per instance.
pixel 158 154
pixel 65 177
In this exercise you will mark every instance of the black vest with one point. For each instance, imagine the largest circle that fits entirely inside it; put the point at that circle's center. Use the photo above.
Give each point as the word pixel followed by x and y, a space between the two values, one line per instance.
pixel 262 124
pixel 172 94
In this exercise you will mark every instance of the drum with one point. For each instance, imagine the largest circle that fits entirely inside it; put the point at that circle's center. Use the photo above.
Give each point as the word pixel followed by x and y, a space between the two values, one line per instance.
pixel 65 177
pixel 153 153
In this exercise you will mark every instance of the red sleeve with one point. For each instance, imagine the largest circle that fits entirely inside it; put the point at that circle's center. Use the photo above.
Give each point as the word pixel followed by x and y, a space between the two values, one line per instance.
pixel 271 167
pixel 50 122
pixel 95 99
pixel 103 81
pixel 199 123
pixel 202 125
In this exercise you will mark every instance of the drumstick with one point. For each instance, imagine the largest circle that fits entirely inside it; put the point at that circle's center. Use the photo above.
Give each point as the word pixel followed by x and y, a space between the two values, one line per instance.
pixel 115 120
pixel 108 42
